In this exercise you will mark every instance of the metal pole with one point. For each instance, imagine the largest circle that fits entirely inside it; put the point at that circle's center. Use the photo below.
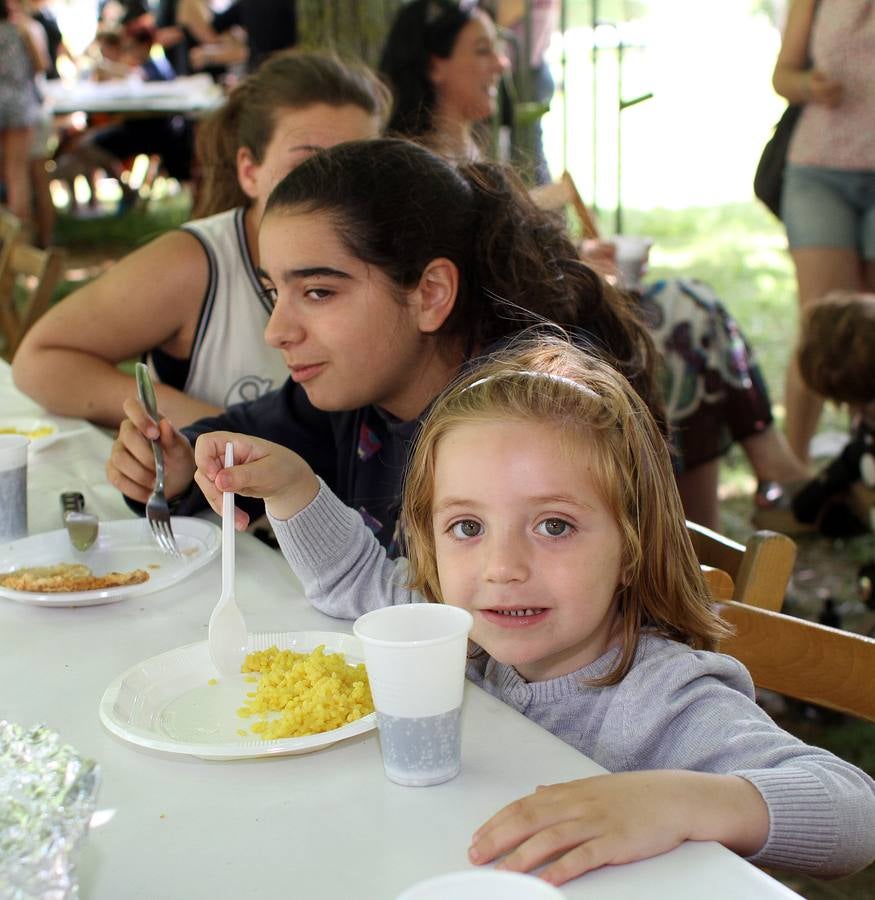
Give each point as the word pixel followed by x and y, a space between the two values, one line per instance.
pixel 595 62
pixel 618 216
pixel 563 23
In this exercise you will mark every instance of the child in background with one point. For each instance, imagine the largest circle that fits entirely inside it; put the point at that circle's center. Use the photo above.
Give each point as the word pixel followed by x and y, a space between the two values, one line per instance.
pixel 836 362
pixel 835 353
pixel 540 497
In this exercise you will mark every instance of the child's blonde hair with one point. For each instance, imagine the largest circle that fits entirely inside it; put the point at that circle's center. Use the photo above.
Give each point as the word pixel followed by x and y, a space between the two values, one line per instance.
pixel 836 357
pixel 551 381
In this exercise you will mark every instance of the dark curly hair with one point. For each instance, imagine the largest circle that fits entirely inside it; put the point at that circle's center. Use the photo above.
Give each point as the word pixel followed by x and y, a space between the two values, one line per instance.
pixel 397 205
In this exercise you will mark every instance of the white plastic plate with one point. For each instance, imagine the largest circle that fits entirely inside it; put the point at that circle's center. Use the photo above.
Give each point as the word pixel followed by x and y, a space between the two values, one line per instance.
pixel 166 703
pixel 26 426
pixel 121 546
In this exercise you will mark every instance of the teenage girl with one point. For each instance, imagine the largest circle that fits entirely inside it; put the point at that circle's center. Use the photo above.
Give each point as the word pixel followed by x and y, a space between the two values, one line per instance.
pixel 389 268
pixel 540 497
pixel 191 301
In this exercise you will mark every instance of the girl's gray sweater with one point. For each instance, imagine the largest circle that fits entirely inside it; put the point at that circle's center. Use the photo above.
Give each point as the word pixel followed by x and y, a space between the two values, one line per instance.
pixel 677 708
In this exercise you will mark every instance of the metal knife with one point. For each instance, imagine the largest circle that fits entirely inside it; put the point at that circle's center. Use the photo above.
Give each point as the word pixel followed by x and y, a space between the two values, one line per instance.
pixel 81 526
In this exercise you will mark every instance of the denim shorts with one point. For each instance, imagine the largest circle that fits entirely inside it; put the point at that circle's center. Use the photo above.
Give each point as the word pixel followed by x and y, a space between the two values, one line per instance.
pixel 823 207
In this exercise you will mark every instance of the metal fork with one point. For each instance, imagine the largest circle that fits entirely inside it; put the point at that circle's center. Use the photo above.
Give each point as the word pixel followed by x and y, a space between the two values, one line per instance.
pixel 157 509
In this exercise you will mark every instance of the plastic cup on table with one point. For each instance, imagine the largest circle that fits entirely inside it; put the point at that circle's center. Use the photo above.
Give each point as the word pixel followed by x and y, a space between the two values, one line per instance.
pixel 13 486
pixel 415 658
pixel 477 884
pixel 631 259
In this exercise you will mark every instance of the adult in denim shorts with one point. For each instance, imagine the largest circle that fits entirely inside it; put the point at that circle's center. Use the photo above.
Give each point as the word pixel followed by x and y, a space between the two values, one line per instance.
pixel 828 202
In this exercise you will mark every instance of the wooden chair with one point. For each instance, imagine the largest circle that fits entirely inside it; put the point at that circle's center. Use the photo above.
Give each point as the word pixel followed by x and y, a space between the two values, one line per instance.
pixel 803 660
pixel 27 282
pixel 10 228
pixel 790 656
pixel 559 196
pixel 759 571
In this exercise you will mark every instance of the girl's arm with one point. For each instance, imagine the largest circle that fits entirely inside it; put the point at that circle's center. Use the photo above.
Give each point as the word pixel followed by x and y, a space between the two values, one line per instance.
pixel 33 37
pixel 702 757
pixel 262 469
pixel 614 819
pixel 793 78
pixel 68 361
pixel 196 16
pixel 341 565
pixel 343 569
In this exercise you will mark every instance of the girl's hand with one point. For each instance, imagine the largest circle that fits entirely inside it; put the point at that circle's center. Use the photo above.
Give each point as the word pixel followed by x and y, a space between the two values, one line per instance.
pixel 131 465
pixel 612 819
pixel 823 90
pixel 261 469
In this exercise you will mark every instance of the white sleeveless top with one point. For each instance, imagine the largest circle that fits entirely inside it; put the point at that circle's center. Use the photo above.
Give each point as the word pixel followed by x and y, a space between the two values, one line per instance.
pixel 230 361
pixel 843 47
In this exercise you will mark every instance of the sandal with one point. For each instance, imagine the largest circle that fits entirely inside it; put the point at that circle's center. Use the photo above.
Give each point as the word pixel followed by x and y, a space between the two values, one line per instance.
pixel 773 509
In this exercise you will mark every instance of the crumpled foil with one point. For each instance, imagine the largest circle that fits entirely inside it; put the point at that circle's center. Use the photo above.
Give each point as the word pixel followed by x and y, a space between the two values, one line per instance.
pixel 47 797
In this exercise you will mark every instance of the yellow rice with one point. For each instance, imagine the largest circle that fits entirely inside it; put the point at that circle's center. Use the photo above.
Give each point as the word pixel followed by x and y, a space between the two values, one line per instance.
pixel 304 693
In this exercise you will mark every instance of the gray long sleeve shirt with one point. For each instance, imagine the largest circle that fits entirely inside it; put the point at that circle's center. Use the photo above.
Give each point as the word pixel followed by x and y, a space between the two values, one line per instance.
pixel 677 708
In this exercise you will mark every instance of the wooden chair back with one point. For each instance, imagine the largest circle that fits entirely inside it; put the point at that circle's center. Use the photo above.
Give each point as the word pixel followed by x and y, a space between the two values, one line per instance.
pixel 10 228
pixel 791 656
pixel 760 570
pixel 561 194
pixel 26 285
pixel 802 659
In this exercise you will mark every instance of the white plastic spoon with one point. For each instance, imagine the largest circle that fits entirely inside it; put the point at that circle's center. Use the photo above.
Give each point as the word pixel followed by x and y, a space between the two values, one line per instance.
pixel 228 637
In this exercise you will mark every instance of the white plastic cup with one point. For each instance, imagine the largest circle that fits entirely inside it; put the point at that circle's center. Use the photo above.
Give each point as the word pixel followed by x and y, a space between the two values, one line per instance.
pixel 631 253
pixel 13 486
pixel 415 658
pixel 480 884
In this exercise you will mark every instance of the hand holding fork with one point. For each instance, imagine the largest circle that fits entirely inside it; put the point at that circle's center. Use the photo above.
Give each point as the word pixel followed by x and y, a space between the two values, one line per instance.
pixel 157 508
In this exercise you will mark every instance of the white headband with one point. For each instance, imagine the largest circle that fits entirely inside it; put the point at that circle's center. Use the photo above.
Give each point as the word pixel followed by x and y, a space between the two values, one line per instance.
pixel 525 373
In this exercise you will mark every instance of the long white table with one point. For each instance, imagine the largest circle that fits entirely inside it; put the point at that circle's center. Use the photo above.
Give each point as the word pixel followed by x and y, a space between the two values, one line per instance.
pixel 322 825
pixel 193 95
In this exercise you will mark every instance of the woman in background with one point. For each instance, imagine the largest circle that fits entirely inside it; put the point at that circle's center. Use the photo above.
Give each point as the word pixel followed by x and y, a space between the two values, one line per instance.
pixel 443 63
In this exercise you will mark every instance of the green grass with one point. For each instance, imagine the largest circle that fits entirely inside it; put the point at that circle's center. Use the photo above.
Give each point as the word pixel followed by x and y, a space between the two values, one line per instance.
pixel 123 233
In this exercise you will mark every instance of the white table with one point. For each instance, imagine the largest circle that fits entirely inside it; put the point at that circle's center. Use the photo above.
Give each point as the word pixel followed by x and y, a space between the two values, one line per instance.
pixel 192 95
pixel 323 825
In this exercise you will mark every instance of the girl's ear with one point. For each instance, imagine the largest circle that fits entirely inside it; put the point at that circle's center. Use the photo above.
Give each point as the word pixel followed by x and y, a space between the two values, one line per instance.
pixel 435 71
pixel 434 297
pixel 247 171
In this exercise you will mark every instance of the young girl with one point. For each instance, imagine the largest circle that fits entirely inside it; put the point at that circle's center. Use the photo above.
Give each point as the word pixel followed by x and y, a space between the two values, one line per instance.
pixel 540 497
pixel 836 363
pixel 389 268
pixel 190 301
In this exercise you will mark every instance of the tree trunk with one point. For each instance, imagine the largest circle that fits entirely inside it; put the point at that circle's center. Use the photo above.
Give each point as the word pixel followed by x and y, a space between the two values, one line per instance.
pixel 350 27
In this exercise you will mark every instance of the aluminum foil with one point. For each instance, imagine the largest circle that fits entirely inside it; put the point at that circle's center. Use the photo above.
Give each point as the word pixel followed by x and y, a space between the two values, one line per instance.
pixel 47 797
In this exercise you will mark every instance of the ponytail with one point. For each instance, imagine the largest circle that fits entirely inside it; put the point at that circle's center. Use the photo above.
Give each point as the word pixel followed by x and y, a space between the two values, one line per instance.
pixel 216 147
pixel 527 271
